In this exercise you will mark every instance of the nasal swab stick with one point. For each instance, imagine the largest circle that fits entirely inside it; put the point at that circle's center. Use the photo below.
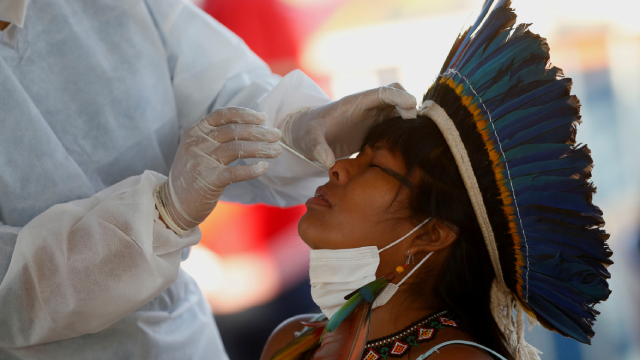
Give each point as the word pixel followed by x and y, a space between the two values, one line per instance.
pixel 321 167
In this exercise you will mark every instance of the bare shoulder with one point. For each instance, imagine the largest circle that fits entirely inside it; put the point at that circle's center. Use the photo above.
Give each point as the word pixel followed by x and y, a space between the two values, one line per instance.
pixel 460 351
pixel 284 334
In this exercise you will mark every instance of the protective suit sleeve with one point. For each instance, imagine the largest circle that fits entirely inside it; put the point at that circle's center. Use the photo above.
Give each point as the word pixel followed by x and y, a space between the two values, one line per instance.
pixel 81 266
pixel 211 68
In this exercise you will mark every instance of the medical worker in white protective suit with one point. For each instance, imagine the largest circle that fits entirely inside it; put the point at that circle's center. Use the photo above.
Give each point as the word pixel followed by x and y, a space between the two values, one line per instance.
pixel 100 103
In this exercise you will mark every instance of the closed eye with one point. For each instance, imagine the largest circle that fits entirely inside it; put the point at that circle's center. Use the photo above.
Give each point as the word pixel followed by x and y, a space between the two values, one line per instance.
pixel 403 180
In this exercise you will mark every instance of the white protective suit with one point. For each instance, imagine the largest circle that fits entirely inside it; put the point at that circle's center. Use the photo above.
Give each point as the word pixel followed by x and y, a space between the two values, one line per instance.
pixel 93 98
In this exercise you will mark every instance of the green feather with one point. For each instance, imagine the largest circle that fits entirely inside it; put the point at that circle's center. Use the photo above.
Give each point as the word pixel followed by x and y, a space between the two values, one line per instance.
pixel 366 293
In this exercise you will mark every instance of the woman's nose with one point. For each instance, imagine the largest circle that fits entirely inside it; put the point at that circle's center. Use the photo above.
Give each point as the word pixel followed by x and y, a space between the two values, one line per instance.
pixel 343 170
pixel 339 172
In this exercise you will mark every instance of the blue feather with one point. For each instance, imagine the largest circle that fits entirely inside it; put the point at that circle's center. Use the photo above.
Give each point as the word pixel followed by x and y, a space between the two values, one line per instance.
pixel 579 276
pixel 483 13
pixel 565 296
pixel 543 167
pixel 556 200
pixel 554 316
pixel 535 98
pixel 540 153
pixel 559 109
pixel 568 216
pixel 559 131
pixel 539 252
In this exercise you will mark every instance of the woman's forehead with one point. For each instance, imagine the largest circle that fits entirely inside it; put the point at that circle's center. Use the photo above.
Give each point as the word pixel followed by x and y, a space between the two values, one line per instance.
pixel 383 150
pixel 383 147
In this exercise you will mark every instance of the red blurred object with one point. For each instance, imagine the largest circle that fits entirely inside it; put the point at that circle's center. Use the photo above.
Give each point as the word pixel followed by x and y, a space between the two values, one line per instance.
pixel 262 24
pixel 275 30
pixel 233 228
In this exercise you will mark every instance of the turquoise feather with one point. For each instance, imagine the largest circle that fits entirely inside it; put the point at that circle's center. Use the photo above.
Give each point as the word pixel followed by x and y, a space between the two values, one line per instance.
pixel 366 293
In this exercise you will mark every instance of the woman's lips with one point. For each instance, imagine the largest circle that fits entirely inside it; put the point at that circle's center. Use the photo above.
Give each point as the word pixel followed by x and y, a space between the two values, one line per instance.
pixel 321 198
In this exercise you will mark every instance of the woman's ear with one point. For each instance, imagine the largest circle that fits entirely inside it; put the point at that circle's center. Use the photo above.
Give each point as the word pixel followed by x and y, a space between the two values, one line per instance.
pixel 436 235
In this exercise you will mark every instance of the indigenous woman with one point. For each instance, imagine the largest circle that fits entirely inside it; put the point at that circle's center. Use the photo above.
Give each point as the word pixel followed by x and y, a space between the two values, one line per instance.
pixel 447 230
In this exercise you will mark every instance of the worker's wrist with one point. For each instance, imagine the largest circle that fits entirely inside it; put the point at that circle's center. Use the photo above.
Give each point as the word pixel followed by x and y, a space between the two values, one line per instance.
pixel 161 219
pixel 164 216
pixel 286 126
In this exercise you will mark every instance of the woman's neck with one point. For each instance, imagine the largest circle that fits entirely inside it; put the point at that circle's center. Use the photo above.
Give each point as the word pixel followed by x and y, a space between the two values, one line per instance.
pixel 4 25
pixel 397 314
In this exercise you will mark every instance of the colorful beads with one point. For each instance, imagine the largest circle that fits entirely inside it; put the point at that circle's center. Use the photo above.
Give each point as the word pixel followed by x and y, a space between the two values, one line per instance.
pixel 398 344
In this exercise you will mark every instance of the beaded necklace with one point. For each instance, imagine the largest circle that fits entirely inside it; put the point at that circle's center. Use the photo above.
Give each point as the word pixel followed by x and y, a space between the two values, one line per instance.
pixel 397 344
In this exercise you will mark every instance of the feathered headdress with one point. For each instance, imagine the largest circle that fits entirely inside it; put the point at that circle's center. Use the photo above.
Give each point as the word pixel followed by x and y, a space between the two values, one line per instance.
pixel 510 121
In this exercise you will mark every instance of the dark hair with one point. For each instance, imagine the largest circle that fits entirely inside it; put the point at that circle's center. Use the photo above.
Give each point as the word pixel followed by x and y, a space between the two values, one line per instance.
pixel 463 284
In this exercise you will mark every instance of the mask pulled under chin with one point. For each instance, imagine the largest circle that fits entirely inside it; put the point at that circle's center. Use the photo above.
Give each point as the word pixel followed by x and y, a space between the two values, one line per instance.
pixel 335 274
pixel 13 11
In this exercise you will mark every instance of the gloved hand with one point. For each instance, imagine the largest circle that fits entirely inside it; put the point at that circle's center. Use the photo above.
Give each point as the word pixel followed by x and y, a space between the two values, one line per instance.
pixel 200 173
pixel 338 128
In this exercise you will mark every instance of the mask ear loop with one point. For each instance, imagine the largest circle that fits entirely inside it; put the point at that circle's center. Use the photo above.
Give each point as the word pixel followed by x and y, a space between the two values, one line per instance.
pixel 404 237
pixel 415 268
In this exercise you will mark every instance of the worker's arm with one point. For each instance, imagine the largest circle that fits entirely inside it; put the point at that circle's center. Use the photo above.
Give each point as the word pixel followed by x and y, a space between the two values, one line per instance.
pixel 211 68
pixel 81 266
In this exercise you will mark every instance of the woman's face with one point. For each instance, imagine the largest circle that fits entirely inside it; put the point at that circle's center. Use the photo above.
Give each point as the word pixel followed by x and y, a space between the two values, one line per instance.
pixel 356 207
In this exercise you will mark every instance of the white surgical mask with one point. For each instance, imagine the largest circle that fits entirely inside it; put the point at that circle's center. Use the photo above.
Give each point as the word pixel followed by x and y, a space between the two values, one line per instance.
pixel 335 274
pixel 13 11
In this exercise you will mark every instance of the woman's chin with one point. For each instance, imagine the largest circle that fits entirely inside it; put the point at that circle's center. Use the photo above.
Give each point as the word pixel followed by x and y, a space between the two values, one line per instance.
pixel 308 230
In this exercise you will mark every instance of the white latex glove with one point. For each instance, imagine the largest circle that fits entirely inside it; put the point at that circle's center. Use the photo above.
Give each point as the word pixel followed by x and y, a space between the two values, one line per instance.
pixel 200 173
pixel 336 130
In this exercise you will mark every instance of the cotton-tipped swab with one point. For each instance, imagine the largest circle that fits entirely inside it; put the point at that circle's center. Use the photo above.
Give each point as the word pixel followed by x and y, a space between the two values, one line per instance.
pixel 321 167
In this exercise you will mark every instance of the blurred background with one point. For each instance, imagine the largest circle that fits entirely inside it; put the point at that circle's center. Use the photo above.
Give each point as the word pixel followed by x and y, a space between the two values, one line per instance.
pixel 252 266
